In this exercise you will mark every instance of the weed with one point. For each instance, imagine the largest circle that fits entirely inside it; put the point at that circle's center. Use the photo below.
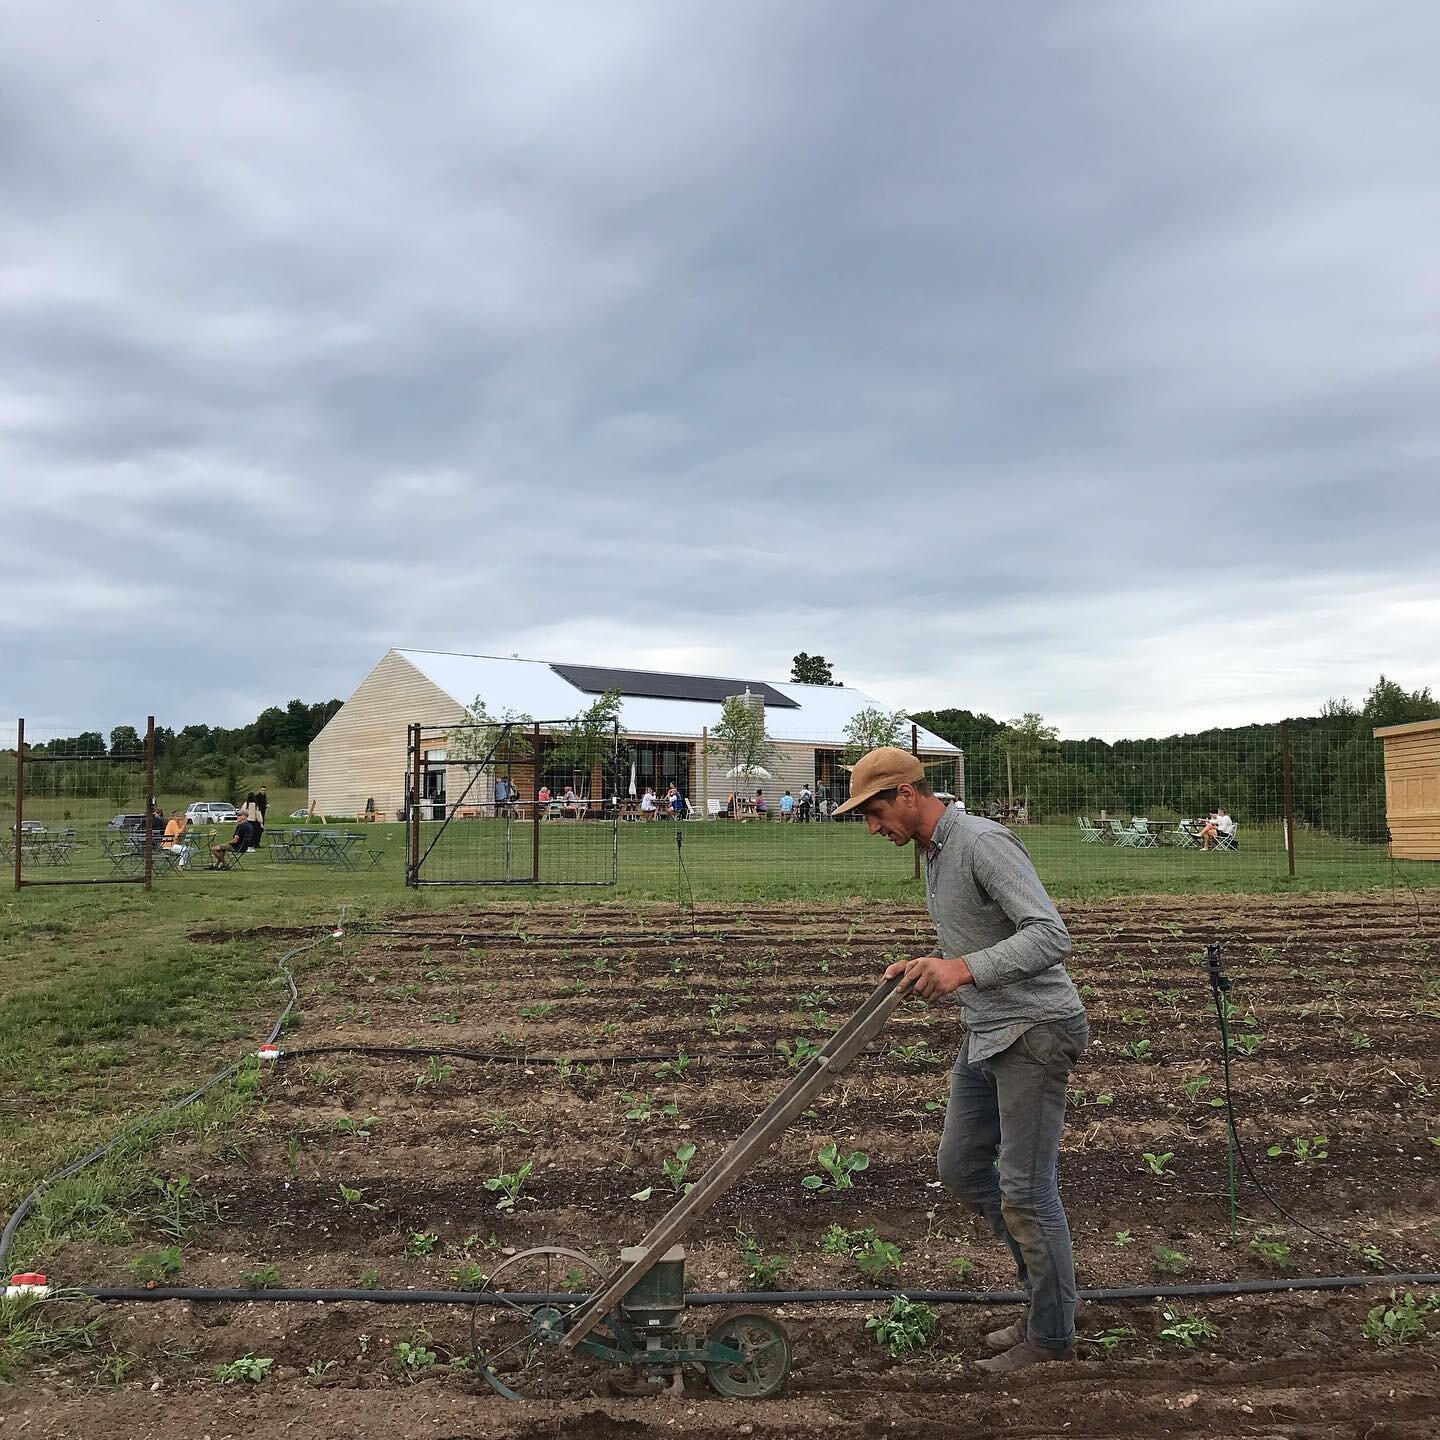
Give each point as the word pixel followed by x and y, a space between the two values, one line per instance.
pixel 1159 1163
pixel 1172 1262
pixel 1272 1253
pixel 177 1209
pixel 263 1277
pixel 422 1242
pixel 1400 1320
pixel 414 1358
pixel 316 1368
pixel 537 1010
pixel 253 1368
pixel 435 1073
pixel 499 1122
pixel 840 1241
pixel 838 1167
pixel 369 1280
pixel 763 1270
pixel 1185 1330
pixel 879 1259
pixel 469 1277
pixel 908 1325
pixel 1123 1238
pixel 509 1184
pixel 1111 1340
pixel 113 1368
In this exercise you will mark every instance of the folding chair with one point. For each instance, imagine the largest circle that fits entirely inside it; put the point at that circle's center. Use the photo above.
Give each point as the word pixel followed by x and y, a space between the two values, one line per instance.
pixel 1183 837
pixel 1090 832
pixel 1228 842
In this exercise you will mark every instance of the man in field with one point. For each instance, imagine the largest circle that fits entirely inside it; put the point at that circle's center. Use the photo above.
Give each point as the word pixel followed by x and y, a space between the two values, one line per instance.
pixel 1000 954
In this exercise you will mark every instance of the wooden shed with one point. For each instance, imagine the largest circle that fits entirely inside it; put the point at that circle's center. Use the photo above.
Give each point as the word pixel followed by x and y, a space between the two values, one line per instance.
pixel 1412 788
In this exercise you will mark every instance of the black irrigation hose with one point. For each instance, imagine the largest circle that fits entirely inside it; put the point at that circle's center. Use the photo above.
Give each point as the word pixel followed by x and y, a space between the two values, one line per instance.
pixel 7 1236
pixel 485 1057
pixel 752 1297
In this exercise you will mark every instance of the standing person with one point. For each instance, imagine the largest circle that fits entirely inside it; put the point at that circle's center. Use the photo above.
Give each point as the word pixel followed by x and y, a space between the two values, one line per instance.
pixel 262 804
pixel 175 834
pixel 1000 953
pixel 822 800
pixel 806 799
pixel 251 812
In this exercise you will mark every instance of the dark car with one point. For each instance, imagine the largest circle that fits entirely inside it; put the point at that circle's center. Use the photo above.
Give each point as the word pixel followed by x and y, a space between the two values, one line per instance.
pixel 127 822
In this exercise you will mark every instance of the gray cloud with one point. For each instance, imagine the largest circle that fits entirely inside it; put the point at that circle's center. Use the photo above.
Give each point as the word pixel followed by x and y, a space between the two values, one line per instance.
pixel 1081 360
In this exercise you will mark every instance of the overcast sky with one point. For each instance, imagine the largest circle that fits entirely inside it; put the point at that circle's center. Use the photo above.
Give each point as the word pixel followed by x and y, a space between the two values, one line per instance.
pixel 1080 358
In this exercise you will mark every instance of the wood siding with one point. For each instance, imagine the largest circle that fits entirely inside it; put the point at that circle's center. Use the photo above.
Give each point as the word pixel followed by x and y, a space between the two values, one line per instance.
pixel 1412 789
pixel 360 754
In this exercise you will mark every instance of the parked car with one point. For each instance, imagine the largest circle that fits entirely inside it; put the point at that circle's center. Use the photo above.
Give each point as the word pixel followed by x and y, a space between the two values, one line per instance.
pixel 30 827
pixel 299 814
pixel 211 812
pixel 127 822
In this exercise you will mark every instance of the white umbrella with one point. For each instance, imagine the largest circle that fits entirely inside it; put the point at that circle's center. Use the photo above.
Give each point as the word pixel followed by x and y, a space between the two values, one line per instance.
pixel 755 772
pixel 632 777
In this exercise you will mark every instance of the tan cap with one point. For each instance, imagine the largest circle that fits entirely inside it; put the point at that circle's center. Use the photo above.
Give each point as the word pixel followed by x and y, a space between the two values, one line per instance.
pixel 881 769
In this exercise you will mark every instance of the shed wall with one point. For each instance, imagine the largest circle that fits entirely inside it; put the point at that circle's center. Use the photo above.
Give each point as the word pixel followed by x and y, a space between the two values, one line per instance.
pixel 1412 791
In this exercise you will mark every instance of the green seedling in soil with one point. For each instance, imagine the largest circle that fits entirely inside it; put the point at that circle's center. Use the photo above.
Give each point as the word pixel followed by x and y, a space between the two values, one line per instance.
pixel 963 1266
pixel 908 1325
pixel 797 1051
pixel 1159 1163
pixel 606 1031
pixel 1401 1320
pixel 1359 1040
pixel 1140 1051
pixel 1104 1099
pixel 838 1167
pixel 434 1073
pixel 263 1277
pixel 1246 1044
pixel 360 1129
pixel 1185 1330
pixel 1272 1253
pixel 253 1368
pixel 1123 1238
pixel 317 1368
pixel 469 1277
pixel 538 1010
pixel 499 1122
pixel 444 1017
pixel 879 1259
pixel 1304 1150
pixel 157 1265
pixel 840 1241
pixel 568 1069
pixel 113 1368
pixel 763 1270
pixel 508 1184
pixel 644 1107
pixel 369 1280
pixel 414 1358
pixel 1111 1340
pixel 931 1106
pixel 1194 1087
pixel 1172 1262
pixel 422 1242
pixel 674 1069
pixel 355 1197
pixel 1134 1017
pixel 177 1209
pixel 912 1054
pixel 677 1167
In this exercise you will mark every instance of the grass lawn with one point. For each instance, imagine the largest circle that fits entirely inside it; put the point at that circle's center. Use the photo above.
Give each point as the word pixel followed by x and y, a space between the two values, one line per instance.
pixel 116 1000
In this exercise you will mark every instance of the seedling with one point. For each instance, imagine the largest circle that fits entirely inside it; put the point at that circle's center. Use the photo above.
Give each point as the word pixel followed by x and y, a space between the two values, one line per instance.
pixel 1359 1040
pixel 838 1167
pixel 360 1129
pixel 1112 1339
pixel 355 1197
pixel 422 1242
pixel 1140 1051
pixel 1246 1044
pixel 1158 1163
pixel 1194 1088
pixel 263 1277
pixel 369 1280
pixel 913 1054
pixel 508 1184
pixel 414 1358
pixel 1402 1320
pixel 434 1073
pixel 908 1325
pixel 538 1010
pixel 674 1069
pixel 962 1266
pixel 1172 1262
pixel 797 1051
pixel 1123 1238
pixel 253 1368
pixel 500 1122
pixel 1304 1150
pixel 764 1270
pixel 469 1277
pixel 1272 1253
pixel 840 1241
pixel 677 1167
pixel 316 1368
pixel 177 1209
pixel 158 1265
pixel 1185 1330
pixel 643 1107
pixel 879 1259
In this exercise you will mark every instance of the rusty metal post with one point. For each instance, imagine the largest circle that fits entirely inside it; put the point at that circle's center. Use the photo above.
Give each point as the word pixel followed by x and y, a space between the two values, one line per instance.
pixel 414 866
pixel 1289 796
pixel 915 751
pixel 150 801
pixel 705 771
pixel 535 795
pixel 19 801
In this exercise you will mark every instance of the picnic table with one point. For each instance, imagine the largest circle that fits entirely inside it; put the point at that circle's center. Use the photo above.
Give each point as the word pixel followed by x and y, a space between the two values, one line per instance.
pixel 319 846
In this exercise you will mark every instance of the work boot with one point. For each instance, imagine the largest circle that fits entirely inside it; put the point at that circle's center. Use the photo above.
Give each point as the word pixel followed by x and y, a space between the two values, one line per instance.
pixel 1026 1353
pixel 1011 1335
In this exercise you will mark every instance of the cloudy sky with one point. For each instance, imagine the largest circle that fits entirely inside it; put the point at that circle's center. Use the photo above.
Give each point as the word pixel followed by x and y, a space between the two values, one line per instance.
pixel 1080 358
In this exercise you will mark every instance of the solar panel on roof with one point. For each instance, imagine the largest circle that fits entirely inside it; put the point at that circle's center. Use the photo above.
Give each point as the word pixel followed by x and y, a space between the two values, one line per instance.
pixel 653 685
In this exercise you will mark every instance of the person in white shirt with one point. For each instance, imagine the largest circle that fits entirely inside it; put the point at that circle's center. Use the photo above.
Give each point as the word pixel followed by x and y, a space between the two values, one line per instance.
pixel 647 804
pixel 1219 826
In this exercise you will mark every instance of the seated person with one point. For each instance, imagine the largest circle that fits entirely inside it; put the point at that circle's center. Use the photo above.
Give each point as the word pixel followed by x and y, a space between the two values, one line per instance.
pixel 787 806
pixel 677 803
pixel 239 843
pixel 571 802
pixel 647 804
pixel 175 833
pixel 543 798
pixel 1219 826
pixel 730 805
pixel 761 808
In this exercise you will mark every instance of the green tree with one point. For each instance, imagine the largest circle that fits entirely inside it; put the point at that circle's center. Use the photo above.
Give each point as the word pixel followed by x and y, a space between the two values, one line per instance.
pixel 741 736
pixel 811 670
pixel 870 728
pixel 1389 703
pixel 125 740
pixel 587 740
pixel 290 768
pixel 1027 742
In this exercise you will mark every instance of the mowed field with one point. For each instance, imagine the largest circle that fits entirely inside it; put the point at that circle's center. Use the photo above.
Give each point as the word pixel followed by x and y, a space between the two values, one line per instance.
pixel 339 1169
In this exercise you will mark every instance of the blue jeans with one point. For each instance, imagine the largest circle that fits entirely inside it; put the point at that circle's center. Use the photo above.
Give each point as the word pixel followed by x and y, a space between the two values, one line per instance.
pixel 1000 1153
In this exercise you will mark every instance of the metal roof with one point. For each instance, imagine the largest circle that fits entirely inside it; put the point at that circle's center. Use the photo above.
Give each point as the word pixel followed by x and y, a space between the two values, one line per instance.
pixel 654 685
pixel 817 714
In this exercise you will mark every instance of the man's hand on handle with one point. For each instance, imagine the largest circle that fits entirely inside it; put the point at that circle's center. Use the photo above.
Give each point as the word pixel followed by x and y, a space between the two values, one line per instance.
pixel 931 976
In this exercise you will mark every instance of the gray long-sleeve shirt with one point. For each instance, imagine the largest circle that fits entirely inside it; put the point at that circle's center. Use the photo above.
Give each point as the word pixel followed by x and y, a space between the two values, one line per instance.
pixel 988 905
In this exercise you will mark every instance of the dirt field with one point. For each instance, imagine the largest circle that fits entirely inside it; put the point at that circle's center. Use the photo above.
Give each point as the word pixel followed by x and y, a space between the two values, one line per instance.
pixel 1336 1063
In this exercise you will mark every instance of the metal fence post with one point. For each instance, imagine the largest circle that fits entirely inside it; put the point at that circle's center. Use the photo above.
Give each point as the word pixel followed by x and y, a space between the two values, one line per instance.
pixel 1289 796
pixel 414 877
pixel 535 786
pixel 150 800
pixel 915 751
pixel 19 802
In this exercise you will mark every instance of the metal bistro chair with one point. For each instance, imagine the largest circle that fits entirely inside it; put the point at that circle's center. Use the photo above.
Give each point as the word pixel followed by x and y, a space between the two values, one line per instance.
pixel 1090 832
pixel 1183 837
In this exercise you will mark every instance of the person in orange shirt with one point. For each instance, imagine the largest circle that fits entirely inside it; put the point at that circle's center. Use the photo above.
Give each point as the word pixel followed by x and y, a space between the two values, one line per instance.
pixel 175 832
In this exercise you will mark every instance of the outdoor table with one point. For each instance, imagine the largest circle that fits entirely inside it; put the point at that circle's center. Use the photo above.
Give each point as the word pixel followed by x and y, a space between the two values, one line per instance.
pixel 315 847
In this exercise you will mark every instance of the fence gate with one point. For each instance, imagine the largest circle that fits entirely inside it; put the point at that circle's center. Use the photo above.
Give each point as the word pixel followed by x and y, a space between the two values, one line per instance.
pixel 513 803
pixel 76 812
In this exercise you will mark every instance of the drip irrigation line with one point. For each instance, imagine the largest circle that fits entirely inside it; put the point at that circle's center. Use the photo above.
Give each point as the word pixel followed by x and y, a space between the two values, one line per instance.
pixel 7 1236
pixel 485 1057
pixel 682 876
pixel 1414 894
pixel 128 1294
